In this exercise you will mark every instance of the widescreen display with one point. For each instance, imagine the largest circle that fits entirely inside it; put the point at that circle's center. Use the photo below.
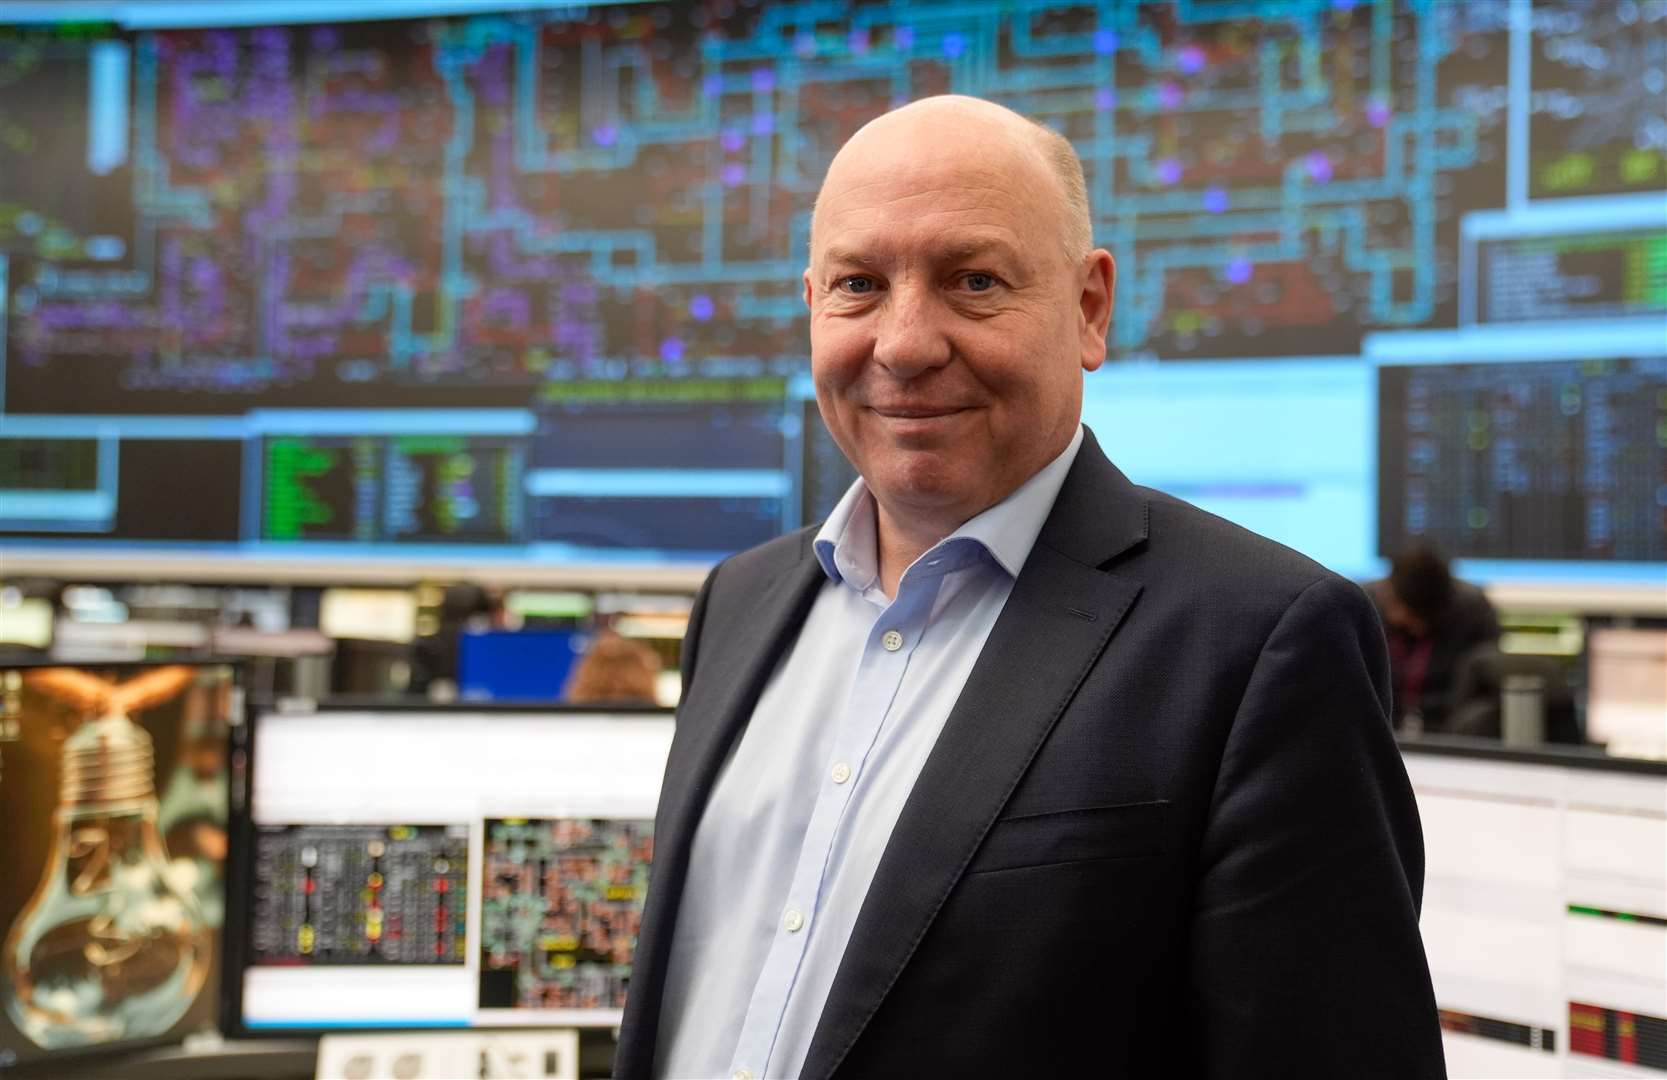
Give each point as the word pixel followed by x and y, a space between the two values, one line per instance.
pixel 523 284
pixel 461 867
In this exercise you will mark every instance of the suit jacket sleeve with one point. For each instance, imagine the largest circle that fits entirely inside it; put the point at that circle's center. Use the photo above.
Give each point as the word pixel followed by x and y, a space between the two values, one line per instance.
pixel 1304 954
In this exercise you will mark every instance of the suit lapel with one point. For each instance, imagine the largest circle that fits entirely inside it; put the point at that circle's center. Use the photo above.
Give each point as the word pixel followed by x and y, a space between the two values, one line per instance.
pixel 732 675
pixel 1056 623
pixel 724 698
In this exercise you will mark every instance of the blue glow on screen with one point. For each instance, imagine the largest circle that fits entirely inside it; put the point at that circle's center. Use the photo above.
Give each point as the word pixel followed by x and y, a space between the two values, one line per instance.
pixel 442 279
pixel 1284 448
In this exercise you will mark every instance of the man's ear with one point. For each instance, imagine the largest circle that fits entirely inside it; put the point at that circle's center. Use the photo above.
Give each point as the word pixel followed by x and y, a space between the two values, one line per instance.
pixel 807 286
pixel 1099 294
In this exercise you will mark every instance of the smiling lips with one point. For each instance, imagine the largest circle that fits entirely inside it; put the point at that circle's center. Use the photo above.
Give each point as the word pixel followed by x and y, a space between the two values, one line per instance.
pixel 916 412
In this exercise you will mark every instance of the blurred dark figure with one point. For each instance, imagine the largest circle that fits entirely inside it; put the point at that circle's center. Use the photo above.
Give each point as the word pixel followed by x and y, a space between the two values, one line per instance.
pixel 615 670
pixel 1432 620
pixel 434 657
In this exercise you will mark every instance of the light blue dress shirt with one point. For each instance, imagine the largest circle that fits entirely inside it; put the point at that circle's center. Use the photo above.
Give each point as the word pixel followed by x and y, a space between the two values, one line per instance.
pixel 804 805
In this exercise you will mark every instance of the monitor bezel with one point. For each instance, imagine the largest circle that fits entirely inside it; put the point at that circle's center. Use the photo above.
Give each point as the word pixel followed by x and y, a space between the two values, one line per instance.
pixel 240 819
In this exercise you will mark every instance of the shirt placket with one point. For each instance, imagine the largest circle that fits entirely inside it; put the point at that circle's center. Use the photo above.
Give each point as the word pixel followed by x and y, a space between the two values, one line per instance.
pixel 891 642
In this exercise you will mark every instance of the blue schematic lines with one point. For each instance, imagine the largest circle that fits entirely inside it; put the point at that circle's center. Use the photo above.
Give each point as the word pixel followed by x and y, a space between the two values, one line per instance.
pixel 587 216
pixel 1225 146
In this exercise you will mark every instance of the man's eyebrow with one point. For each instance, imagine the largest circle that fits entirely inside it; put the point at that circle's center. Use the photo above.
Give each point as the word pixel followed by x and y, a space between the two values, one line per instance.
pixel 951 251
pixel 955 251
pixel 849 257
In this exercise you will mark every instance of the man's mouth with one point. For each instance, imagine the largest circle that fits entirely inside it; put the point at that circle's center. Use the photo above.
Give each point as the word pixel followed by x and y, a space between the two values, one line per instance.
pixel 916 412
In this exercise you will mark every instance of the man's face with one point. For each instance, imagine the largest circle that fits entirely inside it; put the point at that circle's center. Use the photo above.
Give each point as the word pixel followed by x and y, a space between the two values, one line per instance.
pixel 949 329
pixel 1397 614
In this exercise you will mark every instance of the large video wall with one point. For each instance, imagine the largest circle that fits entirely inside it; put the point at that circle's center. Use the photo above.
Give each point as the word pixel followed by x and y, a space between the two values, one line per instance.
pixel 524 284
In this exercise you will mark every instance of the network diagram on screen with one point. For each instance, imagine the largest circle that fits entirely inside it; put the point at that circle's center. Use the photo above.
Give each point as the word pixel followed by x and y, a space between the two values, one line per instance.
pixel 572 890
pixel 446 868
pixel 526 284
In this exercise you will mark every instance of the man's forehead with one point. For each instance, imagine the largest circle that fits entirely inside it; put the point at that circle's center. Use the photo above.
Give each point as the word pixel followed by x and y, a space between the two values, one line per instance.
pixel 937 165
pixel 941 212
pixel 953 185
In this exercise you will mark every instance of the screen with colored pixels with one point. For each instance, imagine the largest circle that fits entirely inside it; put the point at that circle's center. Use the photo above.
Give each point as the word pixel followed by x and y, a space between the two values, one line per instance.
pixel 523 284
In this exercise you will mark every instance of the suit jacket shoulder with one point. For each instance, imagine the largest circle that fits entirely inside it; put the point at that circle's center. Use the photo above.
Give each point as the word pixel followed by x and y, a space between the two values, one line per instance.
pixel 1219 554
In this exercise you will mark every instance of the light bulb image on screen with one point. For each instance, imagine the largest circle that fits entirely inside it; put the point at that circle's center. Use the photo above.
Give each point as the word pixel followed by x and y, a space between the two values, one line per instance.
pixel 113 943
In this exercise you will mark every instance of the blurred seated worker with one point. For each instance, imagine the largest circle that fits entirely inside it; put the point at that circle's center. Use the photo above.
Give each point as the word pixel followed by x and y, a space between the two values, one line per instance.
pixel 615 670
pixel 1431 620
pixel 465 607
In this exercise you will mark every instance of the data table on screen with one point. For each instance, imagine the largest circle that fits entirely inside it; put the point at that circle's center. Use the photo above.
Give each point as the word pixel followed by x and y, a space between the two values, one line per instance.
pixel 1545 915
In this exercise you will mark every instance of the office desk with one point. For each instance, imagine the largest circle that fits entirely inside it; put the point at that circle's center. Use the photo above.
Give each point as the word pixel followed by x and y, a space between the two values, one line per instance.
pixel 1545 907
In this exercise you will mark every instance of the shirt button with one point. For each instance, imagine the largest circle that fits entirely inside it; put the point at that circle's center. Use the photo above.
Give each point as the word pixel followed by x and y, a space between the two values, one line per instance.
pixel 742 1074
pixel 793 921
pixel 841 772
pixel 893 640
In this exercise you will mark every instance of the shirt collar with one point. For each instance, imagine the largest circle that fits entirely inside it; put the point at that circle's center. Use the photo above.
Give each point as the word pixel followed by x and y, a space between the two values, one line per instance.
pixel 845 545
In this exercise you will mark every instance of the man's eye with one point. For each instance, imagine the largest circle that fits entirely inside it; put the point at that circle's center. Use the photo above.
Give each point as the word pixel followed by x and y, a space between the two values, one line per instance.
pixel 977 282
pixel 856 284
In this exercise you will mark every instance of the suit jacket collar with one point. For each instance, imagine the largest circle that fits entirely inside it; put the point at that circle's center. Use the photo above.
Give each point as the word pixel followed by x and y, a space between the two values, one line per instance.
pixel 1099 514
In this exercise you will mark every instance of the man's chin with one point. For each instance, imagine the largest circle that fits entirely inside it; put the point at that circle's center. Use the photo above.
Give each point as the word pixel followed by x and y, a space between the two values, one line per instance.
pixel 923 488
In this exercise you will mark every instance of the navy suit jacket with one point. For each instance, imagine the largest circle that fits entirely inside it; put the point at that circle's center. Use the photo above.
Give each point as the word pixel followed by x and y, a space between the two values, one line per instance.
pixel 1165 832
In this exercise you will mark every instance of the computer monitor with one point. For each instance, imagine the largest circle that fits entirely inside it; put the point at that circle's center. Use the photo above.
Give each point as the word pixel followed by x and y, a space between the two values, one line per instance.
pixel 1626 676
pixel 516 665
pixel 440 867
pixel 592 353
pixel 113 795
pixel 548 608
pixel 25 621
pixel 1544 913
pixel 369 614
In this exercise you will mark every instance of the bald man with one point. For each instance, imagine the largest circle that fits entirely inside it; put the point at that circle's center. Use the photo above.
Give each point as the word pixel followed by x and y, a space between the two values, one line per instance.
pixel 1011 767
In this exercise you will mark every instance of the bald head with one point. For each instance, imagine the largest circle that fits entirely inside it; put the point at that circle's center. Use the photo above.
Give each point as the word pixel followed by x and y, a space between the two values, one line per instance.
pixel 923 131
pixel 955 304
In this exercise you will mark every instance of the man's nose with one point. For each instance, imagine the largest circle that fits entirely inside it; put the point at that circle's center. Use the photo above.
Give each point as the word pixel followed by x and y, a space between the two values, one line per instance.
pixel 909 333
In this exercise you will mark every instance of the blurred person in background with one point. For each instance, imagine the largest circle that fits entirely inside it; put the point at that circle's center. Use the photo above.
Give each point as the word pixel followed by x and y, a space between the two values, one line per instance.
pixel 464 608
pixel 1432 620
pixel 614 670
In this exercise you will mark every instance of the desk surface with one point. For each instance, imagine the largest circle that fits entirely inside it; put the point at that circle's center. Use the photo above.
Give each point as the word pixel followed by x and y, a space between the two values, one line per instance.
pixel 1573 757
